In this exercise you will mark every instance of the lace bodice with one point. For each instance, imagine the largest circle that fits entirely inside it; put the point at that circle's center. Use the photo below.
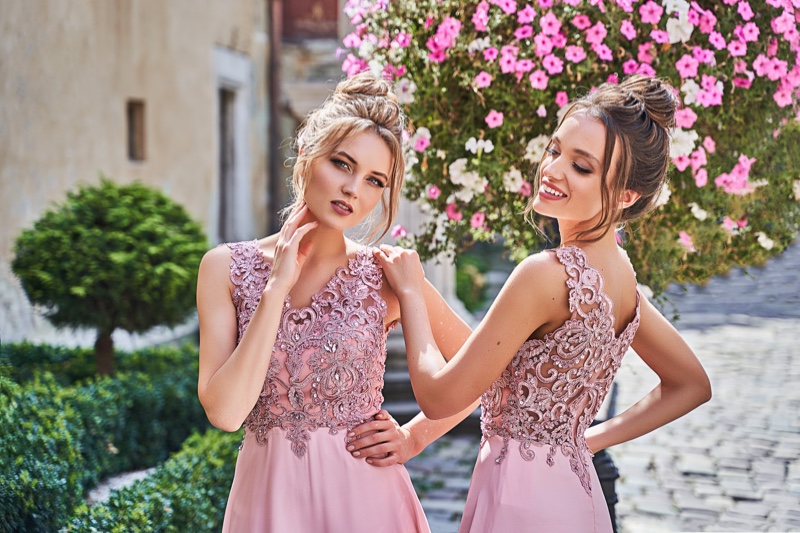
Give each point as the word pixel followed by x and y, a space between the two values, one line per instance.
pixel 328 361
pixel 553 388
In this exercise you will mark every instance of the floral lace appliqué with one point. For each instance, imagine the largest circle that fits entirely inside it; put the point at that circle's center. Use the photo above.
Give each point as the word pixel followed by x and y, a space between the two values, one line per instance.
pixel 327 363
pixel 553 388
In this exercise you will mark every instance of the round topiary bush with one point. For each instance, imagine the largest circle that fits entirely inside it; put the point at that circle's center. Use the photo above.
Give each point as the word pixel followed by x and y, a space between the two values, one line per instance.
pixel 112 256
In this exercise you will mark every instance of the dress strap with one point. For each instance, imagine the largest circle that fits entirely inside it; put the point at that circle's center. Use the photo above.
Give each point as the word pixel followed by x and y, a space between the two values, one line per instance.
pixel 584 282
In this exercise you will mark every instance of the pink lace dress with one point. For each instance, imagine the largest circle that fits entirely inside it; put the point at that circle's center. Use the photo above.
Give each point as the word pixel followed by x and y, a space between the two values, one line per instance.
pixel 534 472
pixel 293 473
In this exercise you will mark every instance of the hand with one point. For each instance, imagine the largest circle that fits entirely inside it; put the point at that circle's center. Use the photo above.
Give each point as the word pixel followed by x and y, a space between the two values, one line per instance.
pixel 291 250
pixel 402 268
pixel 381 441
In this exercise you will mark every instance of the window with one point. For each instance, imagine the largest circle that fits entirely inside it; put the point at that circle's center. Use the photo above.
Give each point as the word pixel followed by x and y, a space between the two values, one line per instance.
pixel 135 115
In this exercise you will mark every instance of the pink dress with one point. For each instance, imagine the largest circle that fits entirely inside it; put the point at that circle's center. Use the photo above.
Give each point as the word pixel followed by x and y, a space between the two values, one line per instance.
pixel 534 472
pixel 293 473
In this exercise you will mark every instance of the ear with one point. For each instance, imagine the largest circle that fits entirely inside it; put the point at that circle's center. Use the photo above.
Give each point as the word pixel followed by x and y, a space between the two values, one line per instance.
pixel 628 198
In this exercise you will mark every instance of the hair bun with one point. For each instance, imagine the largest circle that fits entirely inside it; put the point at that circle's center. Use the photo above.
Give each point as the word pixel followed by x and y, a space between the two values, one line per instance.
pixel 366 84
pixel 657 97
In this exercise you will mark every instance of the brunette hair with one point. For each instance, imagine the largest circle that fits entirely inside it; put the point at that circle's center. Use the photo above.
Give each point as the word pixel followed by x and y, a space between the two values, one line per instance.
pixel 361 103
pixel 637 113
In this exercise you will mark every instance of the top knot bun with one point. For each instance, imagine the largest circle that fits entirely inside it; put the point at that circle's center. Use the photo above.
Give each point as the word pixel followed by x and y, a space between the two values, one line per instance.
pixel 366 84
pixel 656 96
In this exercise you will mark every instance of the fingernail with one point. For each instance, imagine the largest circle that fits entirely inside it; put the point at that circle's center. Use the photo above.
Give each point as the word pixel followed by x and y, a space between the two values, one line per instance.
pixel 351 448
pixel 356 453
pixel 351 434
pixel 369 461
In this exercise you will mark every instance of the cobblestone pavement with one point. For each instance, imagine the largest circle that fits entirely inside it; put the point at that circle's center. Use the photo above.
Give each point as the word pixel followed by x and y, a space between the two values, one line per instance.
pixel 731 465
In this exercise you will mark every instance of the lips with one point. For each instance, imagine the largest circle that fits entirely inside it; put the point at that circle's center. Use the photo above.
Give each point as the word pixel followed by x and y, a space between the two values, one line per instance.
pixel 551 191
pixel 342 207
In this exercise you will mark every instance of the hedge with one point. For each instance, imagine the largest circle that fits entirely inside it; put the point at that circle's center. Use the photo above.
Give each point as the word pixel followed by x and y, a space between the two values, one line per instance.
pixel 60 441
pixel 186 493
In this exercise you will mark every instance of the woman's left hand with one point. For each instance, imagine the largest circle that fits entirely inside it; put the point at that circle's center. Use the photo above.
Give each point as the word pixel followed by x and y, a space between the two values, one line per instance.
pixel 381 441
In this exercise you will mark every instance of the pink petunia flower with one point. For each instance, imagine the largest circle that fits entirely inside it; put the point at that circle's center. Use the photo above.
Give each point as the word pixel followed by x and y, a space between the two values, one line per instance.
pixel 544 44
pixel 477 220
pixel 453 213
pixel 659 36
pixel 421 144
pixel 628 29
pixel 687 66
pixel 596 33
pixel 709 145
pixel 562 99
pixel 550 24
pixel 701 177
pixel 526 15
pixel 630 66
pixel 581 22
pixel 553 64
pixel 603 52
pixel 523 32
pixel 574 53
pixel 651 12
pixel 685 240
pixel 490 54
pixel 737 48
pixel 685 118
pixel 717 40
pixel 541 111
pixel 645 54
pixel 399 231
pixel 494 119
pixel 483 79
pixel 433 192
pixel 744 10
pixel 526 189
pixel 538 79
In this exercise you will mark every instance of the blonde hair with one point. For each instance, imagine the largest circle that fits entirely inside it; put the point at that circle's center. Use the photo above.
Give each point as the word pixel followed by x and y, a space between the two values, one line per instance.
pixel 361 103
pixel 638 113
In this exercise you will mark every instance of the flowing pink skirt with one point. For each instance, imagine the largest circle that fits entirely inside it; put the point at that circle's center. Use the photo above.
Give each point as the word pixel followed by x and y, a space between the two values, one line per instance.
pixel 519 496
pixel 326 490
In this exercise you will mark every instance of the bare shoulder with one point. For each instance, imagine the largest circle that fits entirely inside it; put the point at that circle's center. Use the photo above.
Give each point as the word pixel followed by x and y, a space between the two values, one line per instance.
pixel 543 271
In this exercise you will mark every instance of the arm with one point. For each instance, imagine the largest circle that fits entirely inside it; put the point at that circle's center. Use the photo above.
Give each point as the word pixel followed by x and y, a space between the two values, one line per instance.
pixel 382 441
pixel 231 377
pixel 445 389
pixel 684 384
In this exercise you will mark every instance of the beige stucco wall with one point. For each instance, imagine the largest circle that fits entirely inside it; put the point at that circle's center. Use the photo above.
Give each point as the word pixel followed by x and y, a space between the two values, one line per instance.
pixel 67 69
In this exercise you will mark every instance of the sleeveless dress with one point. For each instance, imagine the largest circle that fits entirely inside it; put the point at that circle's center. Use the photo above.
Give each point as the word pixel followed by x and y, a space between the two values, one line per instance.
pixel 534 472
pixel 293 472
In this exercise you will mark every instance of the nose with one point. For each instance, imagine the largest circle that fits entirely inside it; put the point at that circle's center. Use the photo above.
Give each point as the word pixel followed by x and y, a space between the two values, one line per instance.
pixel 350 186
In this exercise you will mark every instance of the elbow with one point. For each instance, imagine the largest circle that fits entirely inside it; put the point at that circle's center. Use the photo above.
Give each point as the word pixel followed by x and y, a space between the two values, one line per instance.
pixel 704 391
pixel 220 420
pixel 435 410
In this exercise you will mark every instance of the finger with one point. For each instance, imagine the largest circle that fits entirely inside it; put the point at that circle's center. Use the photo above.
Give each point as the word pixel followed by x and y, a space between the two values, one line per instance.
pixel 389 460
pixel 295 217
pixel 377 451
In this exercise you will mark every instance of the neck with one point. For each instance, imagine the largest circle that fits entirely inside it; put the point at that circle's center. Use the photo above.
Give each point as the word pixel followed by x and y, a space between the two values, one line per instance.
pixel 329 244
pixel 570 235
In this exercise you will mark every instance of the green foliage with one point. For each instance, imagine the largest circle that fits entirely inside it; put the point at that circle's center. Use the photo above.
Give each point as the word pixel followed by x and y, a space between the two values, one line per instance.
pixel 112 256
pixel 21 361
pixel 471 280
pixel 187 493
pixel 60 441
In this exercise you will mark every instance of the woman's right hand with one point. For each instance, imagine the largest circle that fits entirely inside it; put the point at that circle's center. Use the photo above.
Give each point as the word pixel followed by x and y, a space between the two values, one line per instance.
pixel 402 268
pixel 291 251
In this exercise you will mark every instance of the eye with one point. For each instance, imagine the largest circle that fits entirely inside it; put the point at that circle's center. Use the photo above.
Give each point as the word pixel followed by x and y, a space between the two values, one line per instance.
pixel 376 181
pixel 581 169
pixel 552 151
pixel 341 164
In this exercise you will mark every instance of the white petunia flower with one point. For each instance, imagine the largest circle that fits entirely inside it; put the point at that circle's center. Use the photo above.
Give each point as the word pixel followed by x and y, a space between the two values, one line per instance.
pixel 690 88
pixel 698 212
pixel 405 89
pixel 682 142
pixel 679 6
pixel 765 241
pixel 663 195
pixel 679 29
pixel 535 148
pixel 512 180
pixel 477 45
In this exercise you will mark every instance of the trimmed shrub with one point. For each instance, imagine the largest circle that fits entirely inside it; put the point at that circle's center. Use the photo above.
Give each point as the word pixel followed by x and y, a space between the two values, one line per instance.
pixel 112 256
pixel 187 493
pixel 59 441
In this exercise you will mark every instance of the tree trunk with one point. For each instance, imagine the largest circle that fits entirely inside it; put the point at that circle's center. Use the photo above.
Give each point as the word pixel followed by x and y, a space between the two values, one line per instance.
pixel 104 353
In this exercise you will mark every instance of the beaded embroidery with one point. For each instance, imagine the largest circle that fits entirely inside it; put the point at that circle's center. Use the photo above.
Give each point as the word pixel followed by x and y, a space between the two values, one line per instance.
pixel 553 388
pixel 328 360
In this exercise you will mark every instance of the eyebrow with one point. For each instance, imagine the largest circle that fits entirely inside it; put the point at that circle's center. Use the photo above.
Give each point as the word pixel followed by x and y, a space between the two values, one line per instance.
pixel 582 152
pixel 354 162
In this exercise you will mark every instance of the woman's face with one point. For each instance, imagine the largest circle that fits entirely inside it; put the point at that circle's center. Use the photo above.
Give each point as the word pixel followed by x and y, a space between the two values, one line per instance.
pixel 347 185
pixel 571 172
